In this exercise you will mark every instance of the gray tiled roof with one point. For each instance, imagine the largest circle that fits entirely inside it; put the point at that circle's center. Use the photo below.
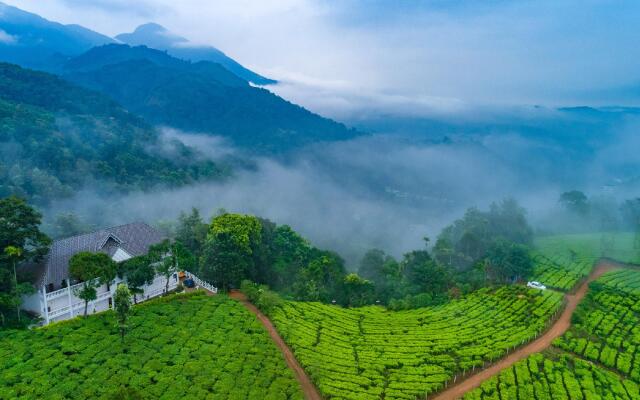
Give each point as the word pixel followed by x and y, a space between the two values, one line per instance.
pixel 135 239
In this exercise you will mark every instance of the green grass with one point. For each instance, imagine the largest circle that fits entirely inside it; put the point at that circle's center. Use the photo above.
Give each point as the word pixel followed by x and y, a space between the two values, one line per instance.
pixel 597 358
pixel 372 353
pixel 562 261
pixel 184 346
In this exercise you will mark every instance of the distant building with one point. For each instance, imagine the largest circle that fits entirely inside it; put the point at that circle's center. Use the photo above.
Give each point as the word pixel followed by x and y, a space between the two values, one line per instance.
pixel 55 299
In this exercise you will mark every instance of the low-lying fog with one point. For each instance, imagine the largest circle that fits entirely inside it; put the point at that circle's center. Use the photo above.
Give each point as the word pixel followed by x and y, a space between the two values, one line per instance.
pixel 390 189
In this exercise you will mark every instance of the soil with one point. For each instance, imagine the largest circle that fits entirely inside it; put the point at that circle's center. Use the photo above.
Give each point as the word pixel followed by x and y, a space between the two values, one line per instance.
pixel 541 343
pixel 308 388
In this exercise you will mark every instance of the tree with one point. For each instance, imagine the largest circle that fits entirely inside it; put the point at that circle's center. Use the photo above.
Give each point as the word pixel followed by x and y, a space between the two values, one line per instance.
pixel 321 279
pixel 14 253
pixel 222 264
pixel 19 229
pixel 232 243
pixel 122 305
pixel 68 224
pixel 462 244
pixel 168 257
pixel 507 261
pixel 93 270
pixel 424 274
pixel 575 201
pixel 138 271
pixel 357 291
pixel 384 272
pixel 192 232
pixel 290 253
pixel 372 264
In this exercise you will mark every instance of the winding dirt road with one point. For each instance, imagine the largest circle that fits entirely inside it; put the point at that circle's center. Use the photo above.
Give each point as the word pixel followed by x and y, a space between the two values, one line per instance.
pixel 557 329
pixel 308 388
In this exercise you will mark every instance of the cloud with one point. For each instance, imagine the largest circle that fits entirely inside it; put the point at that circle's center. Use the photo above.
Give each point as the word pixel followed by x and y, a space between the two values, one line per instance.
pixel 378 191
pixel 7 38
pixel 344 100
pixel 141 8
pixel 416 56
pixel 207 146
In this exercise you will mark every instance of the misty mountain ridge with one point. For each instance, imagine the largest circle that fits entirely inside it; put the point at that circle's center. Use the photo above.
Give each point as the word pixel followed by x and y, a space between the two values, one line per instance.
pixel 34 42
pixel 158 37
pixel 200 97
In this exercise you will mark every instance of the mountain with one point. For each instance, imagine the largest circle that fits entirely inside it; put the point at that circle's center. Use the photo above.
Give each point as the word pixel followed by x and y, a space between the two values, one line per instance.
pixel 32 41
pixel 157 37
pixel 57 138
pixel 199 97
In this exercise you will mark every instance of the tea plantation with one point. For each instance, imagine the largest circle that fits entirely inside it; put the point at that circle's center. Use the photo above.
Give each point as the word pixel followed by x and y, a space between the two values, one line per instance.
pixel 372 353
pixel 554 376
pixel 606 325
pixel 597 358
pixel 185 346
pixel 562 261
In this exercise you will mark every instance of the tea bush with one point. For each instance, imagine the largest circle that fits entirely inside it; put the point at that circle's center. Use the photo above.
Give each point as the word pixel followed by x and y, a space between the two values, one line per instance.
pixel 182 346
pixel 372 353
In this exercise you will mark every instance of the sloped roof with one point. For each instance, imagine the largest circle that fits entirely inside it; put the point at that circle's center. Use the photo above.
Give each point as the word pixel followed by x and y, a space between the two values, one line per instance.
pixel 134 238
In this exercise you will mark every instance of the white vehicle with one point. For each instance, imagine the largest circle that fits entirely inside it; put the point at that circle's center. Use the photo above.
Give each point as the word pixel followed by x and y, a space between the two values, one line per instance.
pixel 536 285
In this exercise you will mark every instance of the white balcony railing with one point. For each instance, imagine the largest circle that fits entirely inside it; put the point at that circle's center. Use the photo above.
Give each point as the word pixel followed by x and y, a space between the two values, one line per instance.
pixel 201 283
pixel 76 306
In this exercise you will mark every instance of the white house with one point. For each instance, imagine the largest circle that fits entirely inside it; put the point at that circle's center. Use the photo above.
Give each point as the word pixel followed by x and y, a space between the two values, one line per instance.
pixel 56 300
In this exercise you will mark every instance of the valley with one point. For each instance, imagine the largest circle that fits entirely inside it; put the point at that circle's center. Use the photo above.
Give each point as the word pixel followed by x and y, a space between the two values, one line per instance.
pixel 319 200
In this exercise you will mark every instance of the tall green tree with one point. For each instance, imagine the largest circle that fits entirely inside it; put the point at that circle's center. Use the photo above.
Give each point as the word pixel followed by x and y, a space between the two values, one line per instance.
pixel 169 257
pixel 575 201
pixel 372 265
pixel 68 224
pixel 93 270
pixel 357 291
pixel 138 271
pixel 384 272
pixel 222 264
pixel 465 242
pixel 321 279
pixel 14 253
pixel 507 262
pixel 290 253
pixel 424 274
pixel 230 250
pixel 122 306
pixel 20 241
pixel 192 231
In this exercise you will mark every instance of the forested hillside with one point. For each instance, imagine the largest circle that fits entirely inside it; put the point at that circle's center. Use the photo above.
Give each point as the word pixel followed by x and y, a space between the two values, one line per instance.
pixel 56 137
pixel 199 97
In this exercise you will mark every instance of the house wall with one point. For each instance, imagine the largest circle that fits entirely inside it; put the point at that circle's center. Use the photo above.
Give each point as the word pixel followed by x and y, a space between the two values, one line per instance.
pixel 64 304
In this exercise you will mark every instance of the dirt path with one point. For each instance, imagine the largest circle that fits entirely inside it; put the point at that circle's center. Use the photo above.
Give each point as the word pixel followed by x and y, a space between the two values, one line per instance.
pixel 557 329
pixel 308 388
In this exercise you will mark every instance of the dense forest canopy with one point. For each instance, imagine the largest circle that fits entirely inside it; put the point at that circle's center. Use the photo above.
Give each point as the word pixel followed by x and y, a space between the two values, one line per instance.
pixel 56 138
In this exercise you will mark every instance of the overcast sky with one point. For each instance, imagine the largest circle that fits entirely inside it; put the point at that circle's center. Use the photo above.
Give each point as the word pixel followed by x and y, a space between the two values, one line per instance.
pixel 410 56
